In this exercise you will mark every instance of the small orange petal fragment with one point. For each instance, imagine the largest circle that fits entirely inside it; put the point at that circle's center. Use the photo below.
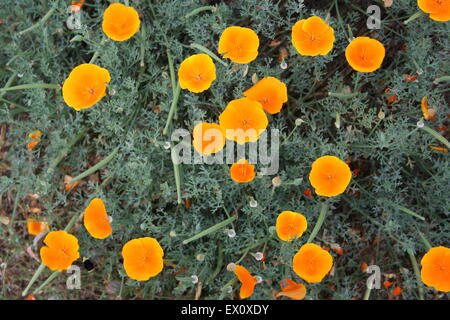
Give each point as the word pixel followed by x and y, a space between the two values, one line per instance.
pixel 291 289
pixel 247 280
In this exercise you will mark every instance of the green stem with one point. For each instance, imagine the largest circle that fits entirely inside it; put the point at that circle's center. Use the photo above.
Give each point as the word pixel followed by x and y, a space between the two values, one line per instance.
pixel 414 17
pixel 417 273
pixel 198 10
pixel 442 79
pixel 216 227
pixel 33 279
pixel 425 241
pixel 343 95
pixel 96 167
pixel 40 22
pixel 176 171
pixel 322 215
pixel 97 52
pixel 47 281
pixel 208 52
pixel 406 210
pixel 8 84
pixel 219 264
pixel 31 86
pixel 16 204
pixel 437 136
pixel 173 107
pixel 65 151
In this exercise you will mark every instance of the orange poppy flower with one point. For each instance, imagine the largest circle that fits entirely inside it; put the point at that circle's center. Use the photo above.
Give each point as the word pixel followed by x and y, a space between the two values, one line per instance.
pixel 120 22
pixel 61 250
pixel 208 138
pixel 35 227
pixel 397 291
pixel 291 289
pixel 312 263
pixel 196 73
pixel 243 120
pixel 312 37
pixel 436 268
pixel 36 137
pixel 329 176
pixel 85 86
pixel 439 10
pixel 428 114
pixel 239 44
pixel 247 280
pixel 142 258
pixel 387 284
pixel 242 171
pixel 365 54
pixel 96 219
pixel 290 225
pixel 270 92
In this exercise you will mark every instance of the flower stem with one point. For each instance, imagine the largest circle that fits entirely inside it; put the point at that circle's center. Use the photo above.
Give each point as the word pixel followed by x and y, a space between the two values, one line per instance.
pixel 437 136
pixel 198 10
pixel 33 279
pixel 97 52
pixel 47 281
pixel 96 167
pixel 40 22
pixel 216 227
pixel 31 86
pixel 173 107
pixel 442 79
pixel 176 171
pixel 416 272
pixel 414 17
pixel 322 215
pixel 208 52
pixel 425 241
pixel 406 210
pixel 343 95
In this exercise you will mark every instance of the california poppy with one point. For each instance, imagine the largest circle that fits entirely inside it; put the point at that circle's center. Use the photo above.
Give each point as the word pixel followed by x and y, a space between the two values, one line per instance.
pixel 312 37
pixel 247 280
pixel 291 289
pixel 270 92
pixel 85 86
pixel 208 138
pixel 120 22
pixel 365 54
pixel 312 263
pixel 35 136
pixel 196 73
pixel 243 120
pixel 242 171
pixel 428 114
pixel 239 44
pixel 436 268
pixel 329 176
pixel 290 225
pixel 35 227
pixel 142 258
pixel 96 219
pixel 439 10
pixel 61 250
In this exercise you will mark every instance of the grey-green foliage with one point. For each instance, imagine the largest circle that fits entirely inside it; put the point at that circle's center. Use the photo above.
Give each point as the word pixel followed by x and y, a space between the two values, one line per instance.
pixel 138 186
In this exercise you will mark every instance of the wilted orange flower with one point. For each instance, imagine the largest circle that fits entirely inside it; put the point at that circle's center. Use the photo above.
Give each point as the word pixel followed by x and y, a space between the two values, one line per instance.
pixel 365 54
pixel 142 258
pixel 96 219
pixel 270 92
pixel 329 176
pixel 239 44
pixel 247 280
pixel 442 149
pixel 290 225
pixel 69 186
pixel 392 99
pixel 291 289
pixel 243 120
pixel 428 114
pixel 36 137
pixel 312 263
pixel 196 73
pixel 312 37
pixel 85 86
pixel 208 138
pixel 242 171
pixel 30 297
pixel 61 250
pixel 436 268
pixel 387 284
pixel 439 10
pixel 120 22
pixel 35 227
